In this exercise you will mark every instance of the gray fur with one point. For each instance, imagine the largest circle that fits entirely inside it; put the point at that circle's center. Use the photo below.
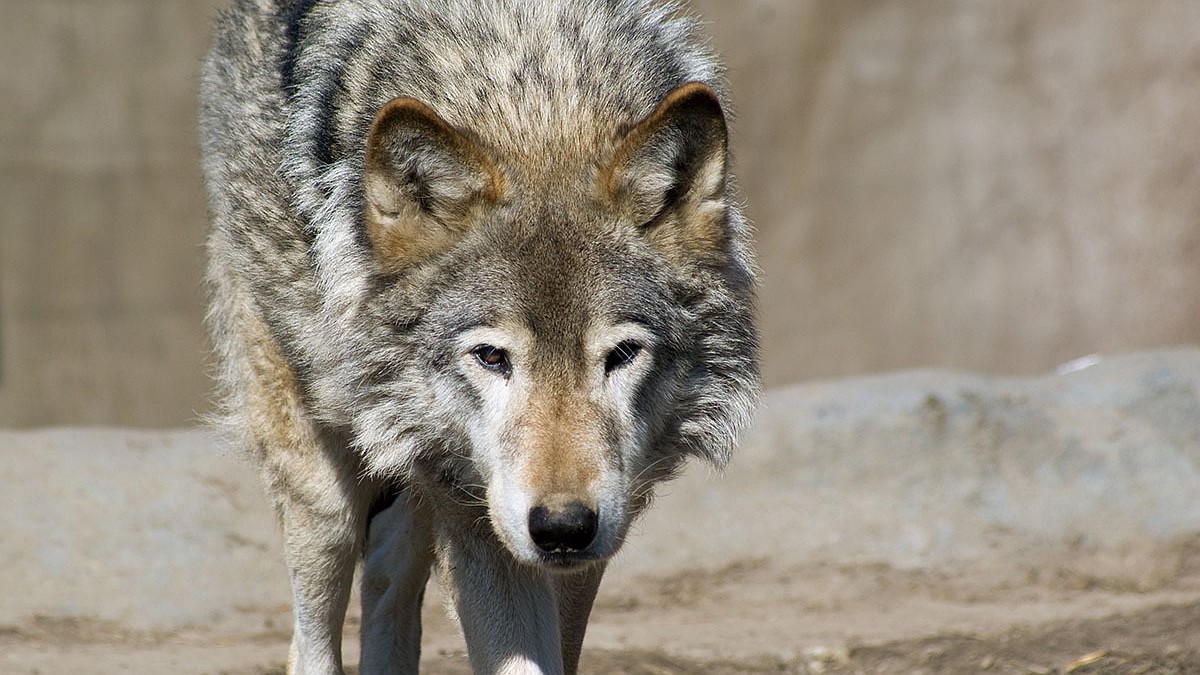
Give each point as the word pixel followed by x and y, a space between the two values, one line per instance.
pixel 339 371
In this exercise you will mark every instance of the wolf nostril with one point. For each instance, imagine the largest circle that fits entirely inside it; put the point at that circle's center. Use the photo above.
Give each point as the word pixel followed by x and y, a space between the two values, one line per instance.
pixel 563 530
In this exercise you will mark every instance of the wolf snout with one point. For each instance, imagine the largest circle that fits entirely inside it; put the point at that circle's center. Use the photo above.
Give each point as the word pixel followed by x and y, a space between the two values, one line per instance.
pixel 568 528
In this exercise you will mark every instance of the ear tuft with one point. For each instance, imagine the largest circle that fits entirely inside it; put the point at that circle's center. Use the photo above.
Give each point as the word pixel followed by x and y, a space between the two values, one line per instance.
pixel 669 173
pixel 423 179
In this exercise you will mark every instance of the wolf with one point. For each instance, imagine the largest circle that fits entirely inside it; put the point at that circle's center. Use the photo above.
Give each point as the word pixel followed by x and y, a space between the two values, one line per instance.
pixel 479 280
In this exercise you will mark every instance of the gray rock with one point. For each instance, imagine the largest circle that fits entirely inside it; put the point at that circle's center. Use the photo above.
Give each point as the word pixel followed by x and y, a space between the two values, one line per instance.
pixel 149 529
pixel 165 529
pixel 928 468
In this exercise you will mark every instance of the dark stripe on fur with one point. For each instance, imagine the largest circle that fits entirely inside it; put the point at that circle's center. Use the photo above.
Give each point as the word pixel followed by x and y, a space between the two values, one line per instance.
pixel 294 15
pixel 328 149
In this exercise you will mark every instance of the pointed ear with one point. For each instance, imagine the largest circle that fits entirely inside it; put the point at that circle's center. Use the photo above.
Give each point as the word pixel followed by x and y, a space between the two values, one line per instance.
pixel 668 175
pixel 423 180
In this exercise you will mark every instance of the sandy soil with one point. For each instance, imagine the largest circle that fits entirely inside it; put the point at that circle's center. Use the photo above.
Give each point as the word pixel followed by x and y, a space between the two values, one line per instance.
pixel 751 617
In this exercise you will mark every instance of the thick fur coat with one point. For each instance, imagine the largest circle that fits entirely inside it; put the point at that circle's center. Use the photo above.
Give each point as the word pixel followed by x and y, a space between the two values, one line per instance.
pixel 478 282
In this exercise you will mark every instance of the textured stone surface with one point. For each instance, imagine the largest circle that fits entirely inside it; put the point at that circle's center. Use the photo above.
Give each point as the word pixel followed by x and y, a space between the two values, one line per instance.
pixel 928 468
pixel 982 186
pixel 925 470
pixel 148 528
pixel 102 213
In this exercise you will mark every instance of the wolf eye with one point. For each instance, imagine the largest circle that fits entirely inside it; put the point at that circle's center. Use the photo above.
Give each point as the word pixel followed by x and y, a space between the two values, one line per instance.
pixel 493 358
pixel 621 355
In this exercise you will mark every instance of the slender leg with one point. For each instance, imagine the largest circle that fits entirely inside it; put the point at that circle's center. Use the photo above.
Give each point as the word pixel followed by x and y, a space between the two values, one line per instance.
pixel 321 554
pixel 508 611
pixel 322 507
pixel 396 568
pixel 311 476
pixel 322 525
pixel 576 593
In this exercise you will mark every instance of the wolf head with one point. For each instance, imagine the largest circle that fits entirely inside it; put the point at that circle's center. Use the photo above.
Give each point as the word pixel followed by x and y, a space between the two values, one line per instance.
pixel 551 340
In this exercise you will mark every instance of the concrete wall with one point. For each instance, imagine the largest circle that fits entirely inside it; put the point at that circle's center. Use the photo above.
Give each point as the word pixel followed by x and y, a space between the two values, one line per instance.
pixel 989 186
pixel 101 212
pixel 994 186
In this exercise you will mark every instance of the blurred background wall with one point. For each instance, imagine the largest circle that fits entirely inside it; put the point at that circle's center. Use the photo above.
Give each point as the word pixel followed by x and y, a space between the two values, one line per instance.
pixel 992 186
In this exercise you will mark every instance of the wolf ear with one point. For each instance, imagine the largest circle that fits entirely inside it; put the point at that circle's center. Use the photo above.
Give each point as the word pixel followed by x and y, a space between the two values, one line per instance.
pixel 423 178
pixel 669 175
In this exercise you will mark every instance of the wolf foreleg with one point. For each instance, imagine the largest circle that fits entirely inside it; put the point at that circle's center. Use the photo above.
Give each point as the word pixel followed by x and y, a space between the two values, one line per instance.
pixel 396 568
pixel 322 507
pixel 575 592
pixel 321 554
pixel 508 611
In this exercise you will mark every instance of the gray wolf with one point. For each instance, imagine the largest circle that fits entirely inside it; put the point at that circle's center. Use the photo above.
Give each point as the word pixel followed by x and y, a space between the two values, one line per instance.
pixel 478 283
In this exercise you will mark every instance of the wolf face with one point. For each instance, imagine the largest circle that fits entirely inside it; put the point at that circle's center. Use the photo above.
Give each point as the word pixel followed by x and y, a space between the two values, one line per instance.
pixel 555 432
pixel 554 333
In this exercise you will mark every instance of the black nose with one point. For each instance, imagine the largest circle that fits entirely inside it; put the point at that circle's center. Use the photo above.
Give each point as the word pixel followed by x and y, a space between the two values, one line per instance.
pixel 567 529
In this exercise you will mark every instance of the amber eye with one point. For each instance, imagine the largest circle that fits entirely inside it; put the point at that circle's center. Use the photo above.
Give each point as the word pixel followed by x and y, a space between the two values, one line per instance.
pixel 621 355
pixel 493 358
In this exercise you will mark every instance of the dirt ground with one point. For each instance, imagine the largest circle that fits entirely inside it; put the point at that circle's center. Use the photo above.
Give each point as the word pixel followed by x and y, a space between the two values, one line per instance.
pixel 1054 615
